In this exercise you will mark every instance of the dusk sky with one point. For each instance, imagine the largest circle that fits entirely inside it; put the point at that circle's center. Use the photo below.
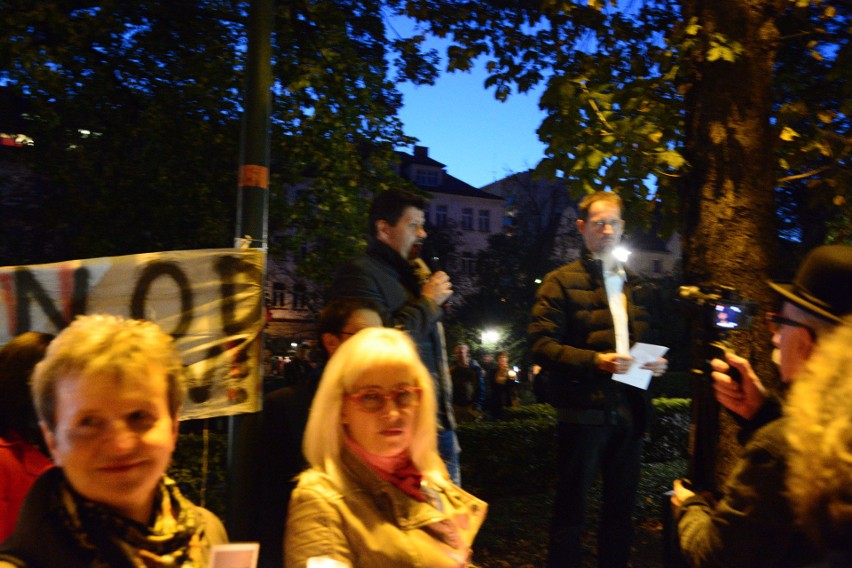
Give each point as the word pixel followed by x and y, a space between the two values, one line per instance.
pixel 479 138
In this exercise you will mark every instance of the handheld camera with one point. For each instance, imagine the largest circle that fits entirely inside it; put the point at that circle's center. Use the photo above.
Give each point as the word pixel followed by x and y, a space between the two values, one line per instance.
pixel 718 311
pixel 722 310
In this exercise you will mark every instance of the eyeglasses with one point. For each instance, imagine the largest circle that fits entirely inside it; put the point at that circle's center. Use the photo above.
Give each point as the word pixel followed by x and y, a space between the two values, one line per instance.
pixel 774 322
pixel 375 400
pixel 616 224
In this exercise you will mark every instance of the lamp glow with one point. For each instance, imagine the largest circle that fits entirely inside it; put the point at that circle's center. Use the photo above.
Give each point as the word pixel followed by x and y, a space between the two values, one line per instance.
pixel 621 253
pixel 490 336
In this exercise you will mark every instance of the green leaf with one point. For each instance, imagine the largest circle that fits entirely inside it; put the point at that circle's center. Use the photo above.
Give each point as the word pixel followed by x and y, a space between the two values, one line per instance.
pixel 672 158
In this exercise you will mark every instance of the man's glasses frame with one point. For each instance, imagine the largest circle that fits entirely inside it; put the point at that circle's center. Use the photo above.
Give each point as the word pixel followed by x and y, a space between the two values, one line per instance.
pixel 376 400
pixel 615 224
pixel 774 321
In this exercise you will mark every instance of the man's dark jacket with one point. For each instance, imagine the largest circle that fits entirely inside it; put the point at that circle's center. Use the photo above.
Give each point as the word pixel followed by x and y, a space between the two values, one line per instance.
pixel 752 523
pixel 383 276
pixel 571 322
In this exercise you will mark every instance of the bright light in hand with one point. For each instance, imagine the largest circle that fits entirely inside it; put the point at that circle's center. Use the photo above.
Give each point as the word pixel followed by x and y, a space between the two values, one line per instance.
pixel 621 253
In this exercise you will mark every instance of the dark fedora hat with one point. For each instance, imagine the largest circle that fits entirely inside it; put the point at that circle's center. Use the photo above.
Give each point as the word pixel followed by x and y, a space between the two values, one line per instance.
pixel 823 283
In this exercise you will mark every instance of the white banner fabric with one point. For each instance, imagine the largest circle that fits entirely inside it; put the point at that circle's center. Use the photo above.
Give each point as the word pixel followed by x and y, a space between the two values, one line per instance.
pixel 211 301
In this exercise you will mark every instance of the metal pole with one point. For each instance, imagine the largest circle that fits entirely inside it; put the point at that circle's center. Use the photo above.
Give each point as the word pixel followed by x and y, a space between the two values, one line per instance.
pixel 251 231
pixel 253 191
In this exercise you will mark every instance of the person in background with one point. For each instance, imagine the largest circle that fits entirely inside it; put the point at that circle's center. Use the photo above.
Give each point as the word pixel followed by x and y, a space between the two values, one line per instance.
pixel 285 413
pixel 377 492
pixel 752 523
pixel 107 394
pixel 385 275
pixel 22 452
pixel 299 369
pixel 819 431
pixel 500 379
pixel 586 316
pixel 468 384
pixel 538 380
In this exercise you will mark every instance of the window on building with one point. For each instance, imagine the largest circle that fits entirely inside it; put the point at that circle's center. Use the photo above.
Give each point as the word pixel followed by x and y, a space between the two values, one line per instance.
pixel 278 294
pixel 300 298
pixel 467 219
pixel 468 263
pixel 427 177
pixel 485 220
pixel 440 215
pixel 658 266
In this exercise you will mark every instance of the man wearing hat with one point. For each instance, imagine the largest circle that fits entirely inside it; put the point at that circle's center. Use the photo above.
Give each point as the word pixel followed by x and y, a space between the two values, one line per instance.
pixel 752 523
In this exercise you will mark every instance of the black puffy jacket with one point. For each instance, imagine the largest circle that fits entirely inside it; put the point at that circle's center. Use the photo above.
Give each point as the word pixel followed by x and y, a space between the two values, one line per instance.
pixel 571 322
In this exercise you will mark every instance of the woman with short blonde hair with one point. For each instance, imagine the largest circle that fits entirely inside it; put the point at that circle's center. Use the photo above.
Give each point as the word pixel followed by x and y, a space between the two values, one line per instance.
pixel 108 393
pixel 377 492
pixel 383 346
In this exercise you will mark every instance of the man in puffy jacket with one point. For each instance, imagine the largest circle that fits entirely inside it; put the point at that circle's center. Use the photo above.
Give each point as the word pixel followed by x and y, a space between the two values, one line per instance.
pixel 586 316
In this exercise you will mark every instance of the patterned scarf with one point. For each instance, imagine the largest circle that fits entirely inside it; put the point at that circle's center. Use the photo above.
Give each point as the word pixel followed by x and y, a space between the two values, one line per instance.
pixel 397 470
pixel 175 538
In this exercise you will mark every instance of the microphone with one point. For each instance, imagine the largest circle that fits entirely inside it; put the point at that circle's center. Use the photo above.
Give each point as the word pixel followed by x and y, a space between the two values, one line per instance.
pixel 424 261
pixel 426 251
pixel 424 264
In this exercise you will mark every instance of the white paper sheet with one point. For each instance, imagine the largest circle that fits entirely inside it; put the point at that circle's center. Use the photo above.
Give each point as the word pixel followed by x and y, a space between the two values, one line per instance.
pixel 234 555
pixel 642 353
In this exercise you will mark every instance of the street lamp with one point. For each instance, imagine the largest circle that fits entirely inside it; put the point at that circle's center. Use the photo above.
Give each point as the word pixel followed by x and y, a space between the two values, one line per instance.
pixel 490 336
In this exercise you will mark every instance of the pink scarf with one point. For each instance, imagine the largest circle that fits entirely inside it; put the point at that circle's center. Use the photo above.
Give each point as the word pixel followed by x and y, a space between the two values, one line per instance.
pixel 397 470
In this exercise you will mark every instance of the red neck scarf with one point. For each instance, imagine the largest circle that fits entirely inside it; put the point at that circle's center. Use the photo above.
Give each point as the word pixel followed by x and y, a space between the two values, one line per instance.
pixel 397 470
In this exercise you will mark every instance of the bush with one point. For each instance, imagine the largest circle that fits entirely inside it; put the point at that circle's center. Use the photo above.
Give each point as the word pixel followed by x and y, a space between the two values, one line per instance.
pixel 520 451
pixel 517 454
pixel 669 430
pixel 528 411
pixel 203 484
pixel 674 384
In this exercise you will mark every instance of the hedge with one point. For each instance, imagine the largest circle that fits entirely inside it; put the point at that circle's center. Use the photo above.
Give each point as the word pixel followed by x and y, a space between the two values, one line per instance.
pixel 518 454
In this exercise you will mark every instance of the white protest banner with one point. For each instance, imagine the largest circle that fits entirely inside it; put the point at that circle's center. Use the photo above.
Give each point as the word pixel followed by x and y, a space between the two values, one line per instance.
pixel 210 301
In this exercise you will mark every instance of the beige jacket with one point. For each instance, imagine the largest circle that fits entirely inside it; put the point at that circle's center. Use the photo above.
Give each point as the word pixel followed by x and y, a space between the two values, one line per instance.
pixel 367 522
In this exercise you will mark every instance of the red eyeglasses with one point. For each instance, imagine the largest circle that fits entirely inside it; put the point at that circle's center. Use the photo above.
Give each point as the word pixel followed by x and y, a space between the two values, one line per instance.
pixel 375 400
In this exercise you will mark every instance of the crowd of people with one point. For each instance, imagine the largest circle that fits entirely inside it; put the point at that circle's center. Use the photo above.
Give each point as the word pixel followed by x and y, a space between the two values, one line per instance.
pixel 359 461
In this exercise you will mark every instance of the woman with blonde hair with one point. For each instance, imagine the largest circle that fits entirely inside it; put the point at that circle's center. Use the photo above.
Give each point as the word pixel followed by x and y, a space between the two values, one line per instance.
pixel 108 393
pixel 377 492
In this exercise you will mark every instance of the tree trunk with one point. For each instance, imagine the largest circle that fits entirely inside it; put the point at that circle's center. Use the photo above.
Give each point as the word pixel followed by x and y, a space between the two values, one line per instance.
pixel 727 198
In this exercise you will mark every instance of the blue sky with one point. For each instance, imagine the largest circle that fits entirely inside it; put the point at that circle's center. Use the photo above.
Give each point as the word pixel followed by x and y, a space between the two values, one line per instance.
pixel 479 138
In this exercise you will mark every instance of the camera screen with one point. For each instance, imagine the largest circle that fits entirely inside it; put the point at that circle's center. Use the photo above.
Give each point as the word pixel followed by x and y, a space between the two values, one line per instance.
pixel 727 316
